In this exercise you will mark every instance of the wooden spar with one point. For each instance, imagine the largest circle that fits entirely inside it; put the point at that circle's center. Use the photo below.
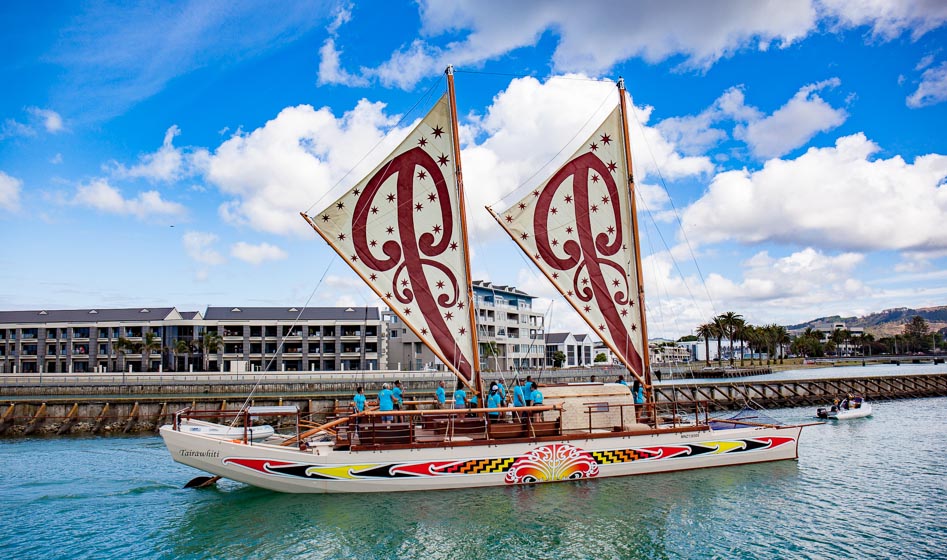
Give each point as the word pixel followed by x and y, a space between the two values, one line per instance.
pixel 452 102
pixel 393 309
pixel 645 352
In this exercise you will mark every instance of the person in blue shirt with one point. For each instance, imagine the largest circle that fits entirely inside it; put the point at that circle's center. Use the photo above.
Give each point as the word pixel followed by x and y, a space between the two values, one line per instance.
pixel 638 392
pixel 518 398
pixel 460 398
pixel 528 390
pixel 493 401
pixel 386 401
pixel 358 401
pixel 621 380
pixel 502 390
pixel 537 399
pixel 472 403
pixel 441 395
pixel 398 394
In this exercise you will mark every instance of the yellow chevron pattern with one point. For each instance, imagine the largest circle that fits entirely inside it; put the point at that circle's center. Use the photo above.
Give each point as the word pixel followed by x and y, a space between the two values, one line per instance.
pixel 615 456
pixel 485 466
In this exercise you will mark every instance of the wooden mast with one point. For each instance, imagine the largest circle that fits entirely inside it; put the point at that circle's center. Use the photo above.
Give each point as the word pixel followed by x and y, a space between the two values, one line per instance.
pixel 452 102
pixel 645 351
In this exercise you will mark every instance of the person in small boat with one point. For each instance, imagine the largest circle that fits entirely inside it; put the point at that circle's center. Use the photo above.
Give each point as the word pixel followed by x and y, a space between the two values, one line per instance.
pixel 398 395
pixel 844 405
pixel 857 402
pixel 440 395
pixel 537 398
pixel 493 401
pixel 358 402
pixel 386 402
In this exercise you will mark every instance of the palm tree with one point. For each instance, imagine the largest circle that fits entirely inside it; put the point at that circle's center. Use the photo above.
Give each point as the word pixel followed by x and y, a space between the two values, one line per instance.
pixel 730 321
pixel 719 330
pixel 837 338
pixel 210 343
pixel 149 344
pixel 782 338
pixel 182 346
pixel 121 347
pixel 706 331
pixel 742 332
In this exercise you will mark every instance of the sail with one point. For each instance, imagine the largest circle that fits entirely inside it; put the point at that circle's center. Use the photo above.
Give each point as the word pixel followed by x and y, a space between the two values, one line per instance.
pixel 577 228
pixel 400 230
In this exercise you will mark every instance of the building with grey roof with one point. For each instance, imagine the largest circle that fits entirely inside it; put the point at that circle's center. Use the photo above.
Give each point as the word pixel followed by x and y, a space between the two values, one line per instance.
pixel 165 339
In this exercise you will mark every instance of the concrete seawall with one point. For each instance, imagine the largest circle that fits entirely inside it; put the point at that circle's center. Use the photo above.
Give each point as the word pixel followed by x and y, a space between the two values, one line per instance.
pixel 98 406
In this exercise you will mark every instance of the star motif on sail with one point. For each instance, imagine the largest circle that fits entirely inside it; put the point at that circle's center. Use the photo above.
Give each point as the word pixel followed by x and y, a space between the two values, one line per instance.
pixel 624 312
pixel 555 275
pixel 595 178
pixel 462 331
pixel 568 199
pixel 442 160
pixel 389 230
pixel 340 205
pixel 594 208
pixel 536 192
pixel 407 310
pixel 354 258
pixel 437 131
pixel 422 142
pixel 373 277
pixel 604 200
pixel 390 197
pixel 418 206
pixel 341 237
pixel 593 147
pixel 440 284
pixel 448 316
pixel 569 229
pixel 601 327
pixel 431 197
pixel 612 166
pixel 421 175
pixel 610 229
pixel 615 283
pixel 634 327
pixel 555 242
pixel 606 139
pixel 460 305
pixel 453 246
pixel 404 283
pixel 553 210
pixel 374 210
pixel 522 206
pixel 509 219
pixel 436 229
pixel 356 192
pixel 424 332
pixel 387 295
pixel 325 217
pixel 524 236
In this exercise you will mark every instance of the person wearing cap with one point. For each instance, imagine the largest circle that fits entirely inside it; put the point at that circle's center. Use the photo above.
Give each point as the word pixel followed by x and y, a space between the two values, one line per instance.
pixel 441 395
pixel 493 401
pixel 386 401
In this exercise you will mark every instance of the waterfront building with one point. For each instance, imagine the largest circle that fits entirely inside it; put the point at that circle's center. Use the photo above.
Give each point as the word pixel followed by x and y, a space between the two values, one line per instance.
pixel 578 349
pixel 165 339
pixel 509 330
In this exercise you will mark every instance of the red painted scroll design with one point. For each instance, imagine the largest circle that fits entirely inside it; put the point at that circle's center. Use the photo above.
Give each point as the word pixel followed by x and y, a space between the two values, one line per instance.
pixel 592 252
pixel 412 253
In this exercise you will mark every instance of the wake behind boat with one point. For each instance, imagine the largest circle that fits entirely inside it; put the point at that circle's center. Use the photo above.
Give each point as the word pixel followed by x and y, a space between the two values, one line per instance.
pixel 402 229
pixel 847 409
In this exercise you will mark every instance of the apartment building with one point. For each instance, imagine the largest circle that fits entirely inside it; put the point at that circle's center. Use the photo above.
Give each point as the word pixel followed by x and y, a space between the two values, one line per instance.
pixel 578 349
pixel 230 339
pixel 510 333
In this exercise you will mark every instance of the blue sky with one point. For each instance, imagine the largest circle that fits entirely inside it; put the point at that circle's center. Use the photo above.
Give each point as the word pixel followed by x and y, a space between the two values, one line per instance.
pixel 791 155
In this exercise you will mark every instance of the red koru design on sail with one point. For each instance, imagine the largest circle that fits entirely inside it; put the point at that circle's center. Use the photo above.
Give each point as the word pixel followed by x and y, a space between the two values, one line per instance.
pixel 414 251
pixel 592 252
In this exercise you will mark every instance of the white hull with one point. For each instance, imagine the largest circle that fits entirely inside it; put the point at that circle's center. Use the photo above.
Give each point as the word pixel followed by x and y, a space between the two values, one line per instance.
pixel 321 469
pixel 860 412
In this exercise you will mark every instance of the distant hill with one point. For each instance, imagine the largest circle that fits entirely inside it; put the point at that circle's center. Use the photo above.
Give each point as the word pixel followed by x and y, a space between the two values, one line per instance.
pixel 885 323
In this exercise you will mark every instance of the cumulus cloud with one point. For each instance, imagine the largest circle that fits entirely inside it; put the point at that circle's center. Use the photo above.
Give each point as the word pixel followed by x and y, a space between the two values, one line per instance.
pixel 294 161
pixel 330 72
pixel 793 124
pixel 49 119
pixel 256 254
pixel 166 164
pixel 99 194
pixel 835 197
pixel 887 20
pixel 932 89
pixel 199 246
pixel 9 192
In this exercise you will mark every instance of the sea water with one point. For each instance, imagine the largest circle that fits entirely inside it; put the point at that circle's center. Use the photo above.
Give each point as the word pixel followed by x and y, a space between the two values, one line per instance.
pixel 867 488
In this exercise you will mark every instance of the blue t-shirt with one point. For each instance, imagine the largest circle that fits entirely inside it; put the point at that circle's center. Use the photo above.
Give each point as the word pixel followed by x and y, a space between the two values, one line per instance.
pixel 385 401
pixel 502 389
pixel 396 393
pixel 623 382
pixel 537 397
pixel 493 401
pixel 518 399
pixel 639 396
pixel 473 401
pixel 441 395
pixel 359 400
pixel 459 397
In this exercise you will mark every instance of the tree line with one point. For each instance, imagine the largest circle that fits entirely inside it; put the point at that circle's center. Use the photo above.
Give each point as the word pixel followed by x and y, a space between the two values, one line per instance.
pixel 775 340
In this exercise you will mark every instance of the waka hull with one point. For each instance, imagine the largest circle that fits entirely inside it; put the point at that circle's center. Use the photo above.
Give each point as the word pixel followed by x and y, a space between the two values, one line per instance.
pixel 321 469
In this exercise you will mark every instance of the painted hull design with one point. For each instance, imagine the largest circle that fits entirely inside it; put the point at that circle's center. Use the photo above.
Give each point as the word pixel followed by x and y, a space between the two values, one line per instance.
pixel 324 470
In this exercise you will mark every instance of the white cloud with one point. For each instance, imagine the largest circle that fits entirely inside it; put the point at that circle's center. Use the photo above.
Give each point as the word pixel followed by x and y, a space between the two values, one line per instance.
pixel 932 89
pixel 100 195
pixel 835 197
pixel 256 254
pixel 343 15
pixel 793 124
pixel 294 161
pixel 200 247
pixel 56 159
pixel 888 20
pixel 329 70
pixel 12 128
pixel 9 192
pixel 50 119
pixel 166 164
pixel 597 36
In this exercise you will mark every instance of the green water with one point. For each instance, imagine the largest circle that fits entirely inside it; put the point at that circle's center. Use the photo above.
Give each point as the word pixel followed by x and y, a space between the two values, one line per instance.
pixel 869 488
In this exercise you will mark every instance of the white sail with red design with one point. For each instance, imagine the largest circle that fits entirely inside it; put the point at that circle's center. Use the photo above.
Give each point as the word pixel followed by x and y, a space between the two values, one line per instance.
pixel 578 228
pixel 400 229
